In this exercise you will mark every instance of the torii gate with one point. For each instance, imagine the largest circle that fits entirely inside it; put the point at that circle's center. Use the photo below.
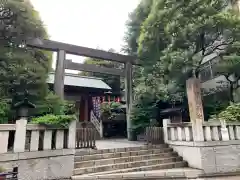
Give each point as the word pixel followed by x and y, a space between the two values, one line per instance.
pixel 62 49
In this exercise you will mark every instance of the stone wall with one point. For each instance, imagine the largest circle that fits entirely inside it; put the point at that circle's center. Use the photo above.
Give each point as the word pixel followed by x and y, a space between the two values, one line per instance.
pixel 39 165
pixel 211 157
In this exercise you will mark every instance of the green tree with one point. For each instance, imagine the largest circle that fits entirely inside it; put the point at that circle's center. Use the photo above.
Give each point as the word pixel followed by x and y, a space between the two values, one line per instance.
pixel 229 66
pixel 148 83
pixel 175 37
pixel 20 66
pixel 195 34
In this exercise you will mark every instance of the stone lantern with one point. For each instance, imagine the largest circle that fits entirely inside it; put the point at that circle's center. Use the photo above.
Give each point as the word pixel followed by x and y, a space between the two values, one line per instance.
pixel 23 107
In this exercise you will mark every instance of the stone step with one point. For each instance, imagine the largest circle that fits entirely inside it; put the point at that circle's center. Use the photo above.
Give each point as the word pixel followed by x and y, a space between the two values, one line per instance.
pixel 135 148
pixel 121 154
pixel 141 164
pixel 100 162
pixel 104 175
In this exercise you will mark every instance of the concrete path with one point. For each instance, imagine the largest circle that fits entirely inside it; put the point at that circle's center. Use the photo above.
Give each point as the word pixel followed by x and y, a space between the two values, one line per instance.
pixel 223 178
pixel 117 143
pixel 164 174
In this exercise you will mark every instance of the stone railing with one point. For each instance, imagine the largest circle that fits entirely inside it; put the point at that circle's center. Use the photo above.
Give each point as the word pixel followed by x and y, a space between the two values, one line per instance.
pixel 177 131
pixel 210 131
pixel 215 131
pixel 22 137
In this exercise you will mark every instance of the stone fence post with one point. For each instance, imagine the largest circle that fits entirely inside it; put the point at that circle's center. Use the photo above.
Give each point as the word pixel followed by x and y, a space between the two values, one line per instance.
pixel 165 129
pixel 224 131
pixel 20 135
pixel 72 135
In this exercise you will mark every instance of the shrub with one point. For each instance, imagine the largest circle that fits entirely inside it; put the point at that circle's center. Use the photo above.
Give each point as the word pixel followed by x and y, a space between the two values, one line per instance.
pixel 115 105
pixel 69 107
pixel 54 120
pixel 110 110
pixel 107 108
pixel 231 113
pixel 4 111
pixel 52 104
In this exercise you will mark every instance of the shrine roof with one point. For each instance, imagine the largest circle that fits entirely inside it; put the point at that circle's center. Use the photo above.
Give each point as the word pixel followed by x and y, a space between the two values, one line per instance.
pixel 80 81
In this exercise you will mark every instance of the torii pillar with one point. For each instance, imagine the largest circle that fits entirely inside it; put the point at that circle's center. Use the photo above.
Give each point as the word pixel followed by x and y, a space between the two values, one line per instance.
pixel 128 96
pixel 59 74
pixel 195 108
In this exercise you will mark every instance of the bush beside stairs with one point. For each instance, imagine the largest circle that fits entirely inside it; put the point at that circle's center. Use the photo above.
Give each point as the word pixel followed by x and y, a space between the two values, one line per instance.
pixel 93 163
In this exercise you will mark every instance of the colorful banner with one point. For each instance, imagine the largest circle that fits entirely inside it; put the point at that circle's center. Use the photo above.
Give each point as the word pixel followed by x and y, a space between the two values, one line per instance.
pixel 96 106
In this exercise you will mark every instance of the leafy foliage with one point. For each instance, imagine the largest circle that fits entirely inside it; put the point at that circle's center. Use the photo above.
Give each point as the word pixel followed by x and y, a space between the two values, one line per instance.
pixel 4 111
pixel 229 66
pixel 54 120
pixel 53 111
pixel 110 110
pixel 22 67
pixel 52 104
pixel 143 110
pixel 214 104
pixel 172 38
pixel 107 108
pixel 69 108
pixel 231 113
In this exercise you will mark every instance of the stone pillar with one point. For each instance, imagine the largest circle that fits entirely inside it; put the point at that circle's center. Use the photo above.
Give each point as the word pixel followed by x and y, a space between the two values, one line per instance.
pixel 20 135
pixel 72 135
pixel 195 108
pixel 59 74
pixel 47 140
pixel 34 141
pixel 224 131
pixel 4 141
pixel 59 139
pixel 165 129
pixel 128 96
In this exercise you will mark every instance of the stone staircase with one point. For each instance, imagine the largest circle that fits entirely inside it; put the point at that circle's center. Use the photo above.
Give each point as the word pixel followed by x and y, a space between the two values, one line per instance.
pixel 122 160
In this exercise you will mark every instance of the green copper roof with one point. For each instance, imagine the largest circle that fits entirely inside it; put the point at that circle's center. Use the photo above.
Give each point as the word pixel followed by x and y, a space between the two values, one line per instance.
pixel 80 81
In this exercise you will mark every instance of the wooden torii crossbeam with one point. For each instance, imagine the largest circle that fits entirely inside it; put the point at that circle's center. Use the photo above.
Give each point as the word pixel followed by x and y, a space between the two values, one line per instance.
pixel 62 49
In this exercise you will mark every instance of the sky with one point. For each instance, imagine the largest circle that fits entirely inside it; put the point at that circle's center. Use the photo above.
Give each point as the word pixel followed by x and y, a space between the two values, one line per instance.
pixel 89 23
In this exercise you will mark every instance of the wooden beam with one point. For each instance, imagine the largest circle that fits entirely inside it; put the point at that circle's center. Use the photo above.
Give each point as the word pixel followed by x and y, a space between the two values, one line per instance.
pixel 81 51
pixel 59 75
pixel 92 68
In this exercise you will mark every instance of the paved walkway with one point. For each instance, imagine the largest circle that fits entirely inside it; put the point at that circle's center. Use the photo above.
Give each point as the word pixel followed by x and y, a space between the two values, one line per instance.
pixel 117 143
pixel 164 174
pixel 223 178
